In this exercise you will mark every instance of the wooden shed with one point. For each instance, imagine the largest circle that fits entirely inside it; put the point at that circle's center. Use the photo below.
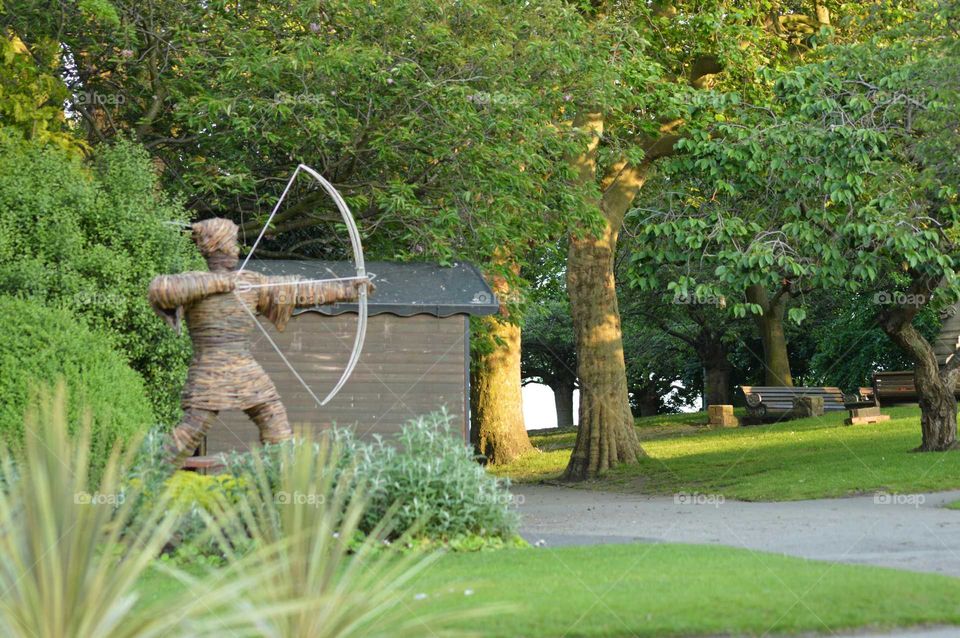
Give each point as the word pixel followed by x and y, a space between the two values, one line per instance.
pixel 415 358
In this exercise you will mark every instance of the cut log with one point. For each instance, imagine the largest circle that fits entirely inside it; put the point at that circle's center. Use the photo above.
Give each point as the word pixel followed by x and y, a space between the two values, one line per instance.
pixel 860 416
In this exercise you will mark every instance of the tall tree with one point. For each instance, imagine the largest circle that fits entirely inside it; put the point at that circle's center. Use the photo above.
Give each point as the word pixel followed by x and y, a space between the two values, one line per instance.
pixel 498 430
pixel 32 95
pixel 700 322
pixel 854 162
pixel 847 343
pixel 769 320
pixel 658 367
pixel 684 47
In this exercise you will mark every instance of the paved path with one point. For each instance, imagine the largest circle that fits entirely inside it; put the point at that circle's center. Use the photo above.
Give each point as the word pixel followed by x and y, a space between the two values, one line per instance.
pixel 914 532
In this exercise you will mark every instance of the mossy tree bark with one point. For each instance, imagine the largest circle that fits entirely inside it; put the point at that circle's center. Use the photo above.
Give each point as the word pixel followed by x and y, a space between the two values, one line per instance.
pixel 776 361
pixel 498 430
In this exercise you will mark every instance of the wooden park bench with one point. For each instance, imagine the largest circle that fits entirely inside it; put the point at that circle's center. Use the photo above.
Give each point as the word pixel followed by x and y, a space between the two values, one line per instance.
pixel 898 387
pixel 765 402
pixel 894 387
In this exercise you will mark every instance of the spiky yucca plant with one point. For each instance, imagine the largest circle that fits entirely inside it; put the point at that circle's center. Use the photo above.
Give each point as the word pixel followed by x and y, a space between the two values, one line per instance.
pixel 305 530
pixel 71 554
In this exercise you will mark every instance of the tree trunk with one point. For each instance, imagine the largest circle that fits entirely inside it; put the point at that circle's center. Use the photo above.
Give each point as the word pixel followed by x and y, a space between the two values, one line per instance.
pixel 716 370
pixel 648 402
pixel 563 400
pixel 606 436
pixel 935 387
pixel 716 386
pixel 938 408
pixel 498 431
pixel 776 361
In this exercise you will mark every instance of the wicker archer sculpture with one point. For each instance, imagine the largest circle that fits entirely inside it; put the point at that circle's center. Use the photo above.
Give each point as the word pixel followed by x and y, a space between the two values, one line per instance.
pixel 220 308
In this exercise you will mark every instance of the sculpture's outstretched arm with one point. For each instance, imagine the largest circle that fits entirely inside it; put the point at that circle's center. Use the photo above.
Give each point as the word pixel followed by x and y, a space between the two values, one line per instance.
pixel 324 292
pixel 283 294
pixel 169 293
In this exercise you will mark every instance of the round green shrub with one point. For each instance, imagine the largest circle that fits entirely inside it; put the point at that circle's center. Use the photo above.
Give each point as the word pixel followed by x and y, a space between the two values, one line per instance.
pixel 87 236
pixel 42 346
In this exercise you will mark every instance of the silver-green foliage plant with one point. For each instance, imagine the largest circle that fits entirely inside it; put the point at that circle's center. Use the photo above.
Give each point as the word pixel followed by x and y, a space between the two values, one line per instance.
pixel 431 477
pixel 426 476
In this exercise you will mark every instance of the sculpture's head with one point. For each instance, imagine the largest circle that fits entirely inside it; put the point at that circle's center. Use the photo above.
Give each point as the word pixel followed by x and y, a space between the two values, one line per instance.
pixel 217 240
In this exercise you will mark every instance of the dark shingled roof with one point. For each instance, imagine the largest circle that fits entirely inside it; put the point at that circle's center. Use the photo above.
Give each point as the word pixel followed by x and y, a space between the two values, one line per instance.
pixel 403 289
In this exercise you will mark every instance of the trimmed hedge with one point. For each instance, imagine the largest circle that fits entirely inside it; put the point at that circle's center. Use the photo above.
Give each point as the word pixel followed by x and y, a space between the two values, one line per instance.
pixel 42 345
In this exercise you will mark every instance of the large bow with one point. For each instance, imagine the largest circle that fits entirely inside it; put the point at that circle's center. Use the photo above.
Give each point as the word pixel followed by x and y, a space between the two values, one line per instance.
pixel 360 276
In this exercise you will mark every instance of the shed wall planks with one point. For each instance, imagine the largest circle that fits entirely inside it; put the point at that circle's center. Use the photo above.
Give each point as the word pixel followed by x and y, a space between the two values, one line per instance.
pixel 409 366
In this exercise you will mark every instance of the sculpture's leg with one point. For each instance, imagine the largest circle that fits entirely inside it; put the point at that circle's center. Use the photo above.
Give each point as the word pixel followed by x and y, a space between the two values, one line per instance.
pixel 271 418
pixel 189 434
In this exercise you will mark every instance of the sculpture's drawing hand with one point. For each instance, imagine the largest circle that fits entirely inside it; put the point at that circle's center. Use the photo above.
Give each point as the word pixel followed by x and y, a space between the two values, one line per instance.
pixel 362 284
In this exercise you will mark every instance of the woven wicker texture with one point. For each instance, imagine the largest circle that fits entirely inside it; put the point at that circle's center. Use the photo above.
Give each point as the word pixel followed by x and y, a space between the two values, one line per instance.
pixel 218 307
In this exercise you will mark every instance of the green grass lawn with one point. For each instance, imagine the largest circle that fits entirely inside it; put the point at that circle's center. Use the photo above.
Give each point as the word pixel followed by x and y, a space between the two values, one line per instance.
pixel 667 590
pixel 805 458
